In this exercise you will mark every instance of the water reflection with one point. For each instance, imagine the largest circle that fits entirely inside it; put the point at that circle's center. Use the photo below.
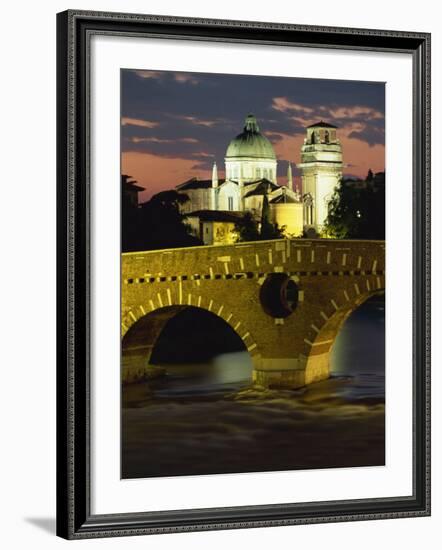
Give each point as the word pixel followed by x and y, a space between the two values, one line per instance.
pixel 227 372
pixel 357 360
pixel 359 350
pixel 203 419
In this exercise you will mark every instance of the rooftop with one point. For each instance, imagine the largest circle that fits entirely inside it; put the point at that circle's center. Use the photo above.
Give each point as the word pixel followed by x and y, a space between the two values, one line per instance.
pixel 195 183
pixel 283 198
pixel 217 215
pixel 321 124
pixel 263 187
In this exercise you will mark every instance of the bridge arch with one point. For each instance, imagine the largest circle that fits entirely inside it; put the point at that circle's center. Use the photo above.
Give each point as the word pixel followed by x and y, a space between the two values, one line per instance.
pixel 143 325
pixel 328 324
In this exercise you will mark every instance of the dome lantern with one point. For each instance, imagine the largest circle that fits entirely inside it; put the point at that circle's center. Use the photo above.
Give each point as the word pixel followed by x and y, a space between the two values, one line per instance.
pixel 251 125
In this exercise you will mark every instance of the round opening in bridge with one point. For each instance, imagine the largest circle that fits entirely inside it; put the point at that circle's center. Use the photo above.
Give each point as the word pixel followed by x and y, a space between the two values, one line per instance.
pixel 193 350
pixel 279 295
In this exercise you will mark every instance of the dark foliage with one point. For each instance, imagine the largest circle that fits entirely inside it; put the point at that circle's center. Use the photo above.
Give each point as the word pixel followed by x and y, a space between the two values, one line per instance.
pixel 248 229
pixel 357 209
pixel 156 224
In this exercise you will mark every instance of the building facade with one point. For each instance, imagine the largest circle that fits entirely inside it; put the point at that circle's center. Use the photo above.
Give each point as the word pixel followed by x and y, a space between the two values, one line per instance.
pixel 251 181
pixel 321 168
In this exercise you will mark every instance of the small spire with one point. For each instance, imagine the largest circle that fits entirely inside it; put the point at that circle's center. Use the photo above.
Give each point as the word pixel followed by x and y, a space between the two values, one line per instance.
pixel 214 175
pixel 289 176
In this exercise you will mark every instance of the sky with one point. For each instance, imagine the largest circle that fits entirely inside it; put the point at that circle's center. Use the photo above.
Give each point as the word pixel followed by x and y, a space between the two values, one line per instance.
pixel 174 125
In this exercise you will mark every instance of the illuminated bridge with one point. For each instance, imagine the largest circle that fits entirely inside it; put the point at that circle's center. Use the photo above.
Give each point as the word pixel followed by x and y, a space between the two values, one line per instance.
pixel 286 299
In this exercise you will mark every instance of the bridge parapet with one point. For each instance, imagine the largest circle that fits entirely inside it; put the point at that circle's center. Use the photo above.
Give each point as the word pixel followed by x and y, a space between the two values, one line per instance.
pixel 324 255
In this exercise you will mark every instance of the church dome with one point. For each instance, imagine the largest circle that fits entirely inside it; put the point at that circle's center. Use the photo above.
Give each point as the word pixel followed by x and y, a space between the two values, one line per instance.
pixel 250 143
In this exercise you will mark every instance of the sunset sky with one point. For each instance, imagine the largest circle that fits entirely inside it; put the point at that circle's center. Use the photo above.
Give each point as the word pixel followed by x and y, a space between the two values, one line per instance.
pixel 174 125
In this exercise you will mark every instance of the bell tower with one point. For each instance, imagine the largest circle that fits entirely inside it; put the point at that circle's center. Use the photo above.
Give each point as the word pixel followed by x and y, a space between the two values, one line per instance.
pixel 321 168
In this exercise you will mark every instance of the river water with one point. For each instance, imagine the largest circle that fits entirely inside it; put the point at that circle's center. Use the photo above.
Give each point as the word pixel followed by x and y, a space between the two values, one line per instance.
pixel 206 419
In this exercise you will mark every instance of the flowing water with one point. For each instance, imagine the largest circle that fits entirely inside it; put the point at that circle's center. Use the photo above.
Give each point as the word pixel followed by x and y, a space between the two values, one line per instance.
pixel 205 419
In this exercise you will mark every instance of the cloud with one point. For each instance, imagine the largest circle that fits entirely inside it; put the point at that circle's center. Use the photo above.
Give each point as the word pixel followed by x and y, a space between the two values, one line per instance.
pixel 127 121
pixel 196 121
pixel 368 133
pixel 284 104
pixel 153 139
pixel 150 140
pixel 186 78
pixel 357 111
pixel 356 121
pixel 353 127
pixel 182 78
pixel 149 74
pixel 302 122
pixel 201 154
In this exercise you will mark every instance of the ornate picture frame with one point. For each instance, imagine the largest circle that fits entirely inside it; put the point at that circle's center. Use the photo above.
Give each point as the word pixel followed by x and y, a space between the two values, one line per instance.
pixel 75 518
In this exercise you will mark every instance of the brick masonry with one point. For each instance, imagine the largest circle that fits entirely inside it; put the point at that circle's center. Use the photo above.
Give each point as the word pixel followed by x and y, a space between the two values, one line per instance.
pixel 333 276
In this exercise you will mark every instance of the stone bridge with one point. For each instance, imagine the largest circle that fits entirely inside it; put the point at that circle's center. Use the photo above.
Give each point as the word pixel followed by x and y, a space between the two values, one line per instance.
pixel 286 299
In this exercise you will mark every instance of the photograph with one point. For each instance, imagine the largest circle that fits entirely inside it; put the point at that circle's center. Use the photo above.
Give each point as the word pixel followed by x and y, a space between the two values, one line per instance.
pixel 243 273
pixel 252 273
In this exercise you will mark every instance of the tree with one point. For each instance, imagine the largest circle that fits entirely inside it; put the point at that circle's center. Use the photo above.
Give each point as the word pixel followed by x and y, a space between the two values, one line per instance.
pixel 248 229
pixel 157 223
pixel 268 229
pixel 357 209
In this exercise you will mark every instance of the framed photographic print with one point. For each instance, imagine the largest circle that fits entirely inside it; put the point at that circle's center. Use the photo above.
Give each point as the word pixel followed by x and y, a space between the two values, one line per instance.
pixel 243 274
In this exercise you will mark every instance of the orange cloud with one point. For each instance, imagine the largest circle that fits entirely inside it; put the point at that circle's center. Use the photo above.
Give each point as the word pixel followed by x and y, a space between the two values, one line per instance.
pixel 149 74
pixel 302 121
pixel 150 140
pixel 356 111
pixel 283 104
pixel 185 78
pixel 197 121
pixel 153 139
pixel 126 121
